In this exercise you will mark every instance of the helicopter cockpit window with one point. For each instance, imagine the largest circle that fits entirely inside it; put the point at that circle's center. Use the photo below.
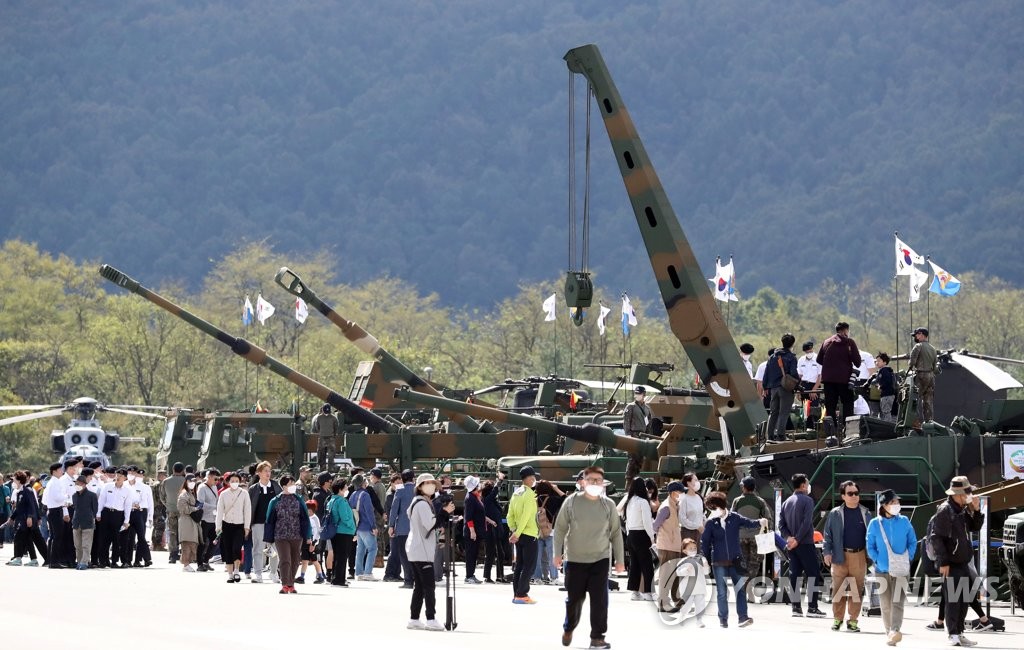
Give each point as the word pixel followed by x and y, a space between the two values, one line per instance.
pixel 225 436
pixel 244 436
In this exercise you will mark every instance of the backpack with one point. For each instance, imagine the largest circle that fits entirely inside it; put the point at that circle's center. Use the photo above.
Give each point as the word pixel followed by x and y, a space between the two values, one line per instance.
pixel 543 523
pixel 929 535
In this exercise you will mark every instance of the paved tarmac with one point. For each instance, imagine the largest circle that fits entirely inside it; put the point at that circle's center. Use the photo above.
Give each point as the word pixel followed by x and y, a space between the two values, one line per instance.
pixel 163 607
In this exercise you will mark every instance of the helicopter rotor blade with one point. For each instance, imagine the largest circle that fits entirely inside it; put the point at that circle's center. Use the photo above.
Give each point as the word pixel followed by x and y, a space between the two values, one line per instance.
pixel 32 416
pixel 31 407
pixel 143 407
pixel 128 412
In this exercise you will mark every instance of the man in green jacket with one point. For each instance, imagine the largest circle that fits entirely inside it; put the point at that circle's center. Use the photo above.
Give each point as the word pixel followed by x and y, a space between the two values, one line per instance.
pixel 522 522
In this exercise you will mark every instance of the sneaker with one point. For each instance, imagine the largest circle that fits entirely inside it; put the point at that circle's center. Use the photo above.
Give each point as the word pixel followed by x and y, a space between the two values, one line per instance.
pixel 724 623
pixel 650 596
pixel 851 626
pixel 894 637
pixel 248 576
pixel 276 579
pixel 256 578
pixel 392 579
pixel 488 581
pixel 977 626
pixel 369 577
pixel 237 578
pixel 637 596
pixel 319 580
pixel 935 625
pixel 301 580
pixel 535 581
pixel 15 562
pixel 700 622
pixel 31 563
pixel 339 584
pixel 188 569
pixel 798 613
pixel 472 581
pixel 414 624
pixel 836 624
pixel 599 643
pixel 745 622
pixel 814 612
pixel 967 643
pixel 433 625
pixel 525 600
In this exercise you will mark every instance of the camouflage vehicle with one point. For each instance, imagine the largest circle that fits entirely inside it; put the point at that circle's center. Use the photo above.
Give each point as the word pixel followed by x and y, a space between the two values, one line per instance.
pixel 181 439
pixel 393 370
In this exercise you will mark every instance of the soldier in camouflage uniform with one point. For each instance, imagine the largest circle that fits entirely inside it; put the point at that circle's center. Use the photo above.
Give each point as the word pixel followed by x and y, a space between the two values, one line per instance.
pixel 159 513
pixel 326 425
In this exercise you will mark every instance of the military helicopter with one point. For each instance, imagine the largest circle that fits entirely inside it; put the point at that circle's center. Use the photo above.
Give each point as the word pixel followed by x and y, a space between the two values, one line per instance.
pixel 84 436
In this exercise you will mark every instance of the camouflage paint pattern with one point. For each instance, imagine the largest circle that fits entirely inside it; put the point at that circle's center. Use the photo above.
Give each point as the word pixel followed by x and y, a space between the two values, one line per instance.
pixel 394 370
pixel 254 354
pixel 694 317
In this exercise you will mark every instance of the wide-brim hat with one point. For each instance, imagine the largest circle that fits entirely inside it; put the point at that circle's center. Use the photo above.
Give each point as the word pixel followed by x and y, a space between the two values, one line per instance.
pixel 471 483
pixel 960 485
pixel 426 478
pixel 886 497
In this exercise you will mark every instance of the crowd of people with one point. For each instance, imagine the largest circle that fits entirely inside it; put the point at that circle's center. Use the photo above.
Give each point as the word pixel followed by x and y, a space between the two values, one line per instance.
pixel 834 377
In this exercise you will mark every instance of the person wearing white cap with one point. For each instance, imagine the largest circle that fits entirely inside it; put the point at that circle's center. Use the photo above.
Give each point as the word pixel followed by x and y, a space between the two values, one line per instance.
pixel 420 547
pixel 473 531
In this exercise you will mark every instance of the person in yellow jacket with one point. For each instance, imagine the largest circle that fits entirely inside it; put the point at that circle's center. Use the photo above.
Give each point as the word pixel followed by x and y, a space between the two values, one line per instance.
pixel 522 522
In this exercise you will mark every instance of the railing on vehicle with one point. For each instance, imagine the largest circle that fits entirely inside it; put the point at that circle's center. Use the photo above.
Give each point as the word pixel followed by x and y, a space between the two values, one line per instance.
pixel 923 489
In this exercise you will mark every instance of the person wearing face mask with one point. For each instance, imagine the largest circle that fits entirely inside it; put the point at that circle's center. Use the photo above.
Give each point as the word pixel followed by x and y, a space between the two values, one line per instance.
pixel 844 551
pixel 288 528
pixel 951 525
pixel 720 542
pixel 809 371
pixel 745 351
pixel 639 539
pixel 668 541
pixel 234 516
pixel 339 512
pixel 207 496
pixel 891 531
pixel 115 507
pixel 83 523
pixel 587 538
pixel 261 493
pixel 691 508
pixel 25 515
pixel 421 546
pixel 752 506
pixel 188 528
pixel 141 516
pixel 797 528
pixel 57 499
pixel 522 523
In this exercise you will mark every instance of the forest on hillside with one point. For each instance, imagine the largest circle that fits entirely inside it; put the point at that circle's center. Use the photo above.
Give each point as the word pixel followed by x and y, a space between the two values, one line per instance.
pixel 67 333
pixel 426 142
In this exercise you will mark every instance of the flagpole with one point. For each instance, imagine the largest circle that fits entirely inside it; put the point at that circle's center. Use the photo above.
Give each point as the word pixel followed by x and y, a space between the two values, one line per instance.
pixel 928 303
pixel 896 290
pixel 258 344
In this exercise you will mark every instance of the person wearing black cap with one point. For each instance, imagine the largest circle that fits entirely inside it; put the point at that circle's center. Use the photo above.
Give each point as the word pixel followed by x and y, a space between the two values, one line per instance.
pixel 141 517
pixel 752 506
pixel 889 534
pixel 83 523
pixel 923 362
pixel 636 419
pixel 326 426
pixel 114 506
pixel 809 372
pixel 522 523
pixel 57 499
pixel 495 539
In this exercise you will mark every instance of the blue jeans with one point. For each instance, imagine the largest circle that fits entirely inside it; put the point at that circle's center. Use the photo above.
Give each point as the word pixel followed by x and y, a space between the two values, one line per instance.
pixel 247 552
pixel 366 552
pixel 545 560
pixel 738 583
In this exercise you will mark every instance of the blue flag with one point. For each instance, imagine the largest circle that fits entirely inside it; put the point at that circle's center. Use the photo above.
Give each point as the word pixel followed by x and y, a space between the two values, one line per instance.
pixel 943 283
pixel 247 313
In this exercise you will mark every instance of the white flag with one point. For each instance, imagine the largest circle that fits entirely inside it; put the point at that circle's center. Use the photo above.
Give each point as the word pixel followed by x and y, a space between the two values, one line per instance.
pixel 264 310
pixel 628 315
pixel 301 310
pixel 247 312
pixel 906 258
pixel 725 276
pixel 918 279
pixel 549 307
pixel 600 319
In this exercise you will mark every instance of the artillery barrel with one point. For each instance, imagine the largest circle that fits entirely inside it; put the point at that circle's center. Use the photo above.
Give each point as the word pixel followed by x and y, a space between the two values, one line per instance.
pixel 589 433
pixel 254 354
pixel 366 342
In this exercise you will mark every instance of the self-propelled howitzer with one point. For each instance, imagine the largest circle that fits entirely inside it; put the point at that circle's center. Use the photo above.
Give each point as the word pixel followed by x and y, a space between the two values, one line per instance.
pixel 590 433
pixel 693 316
pixel 366 342
pixel 255 354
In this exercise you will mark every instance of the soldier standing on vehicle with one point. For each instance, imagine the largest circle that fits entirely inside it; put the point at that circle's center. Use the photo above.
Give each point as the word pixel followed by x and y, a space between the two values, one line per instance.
pixel 636 419
pixel 159 512
pixel 326 425
pixel 169 489
pixel 923 361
